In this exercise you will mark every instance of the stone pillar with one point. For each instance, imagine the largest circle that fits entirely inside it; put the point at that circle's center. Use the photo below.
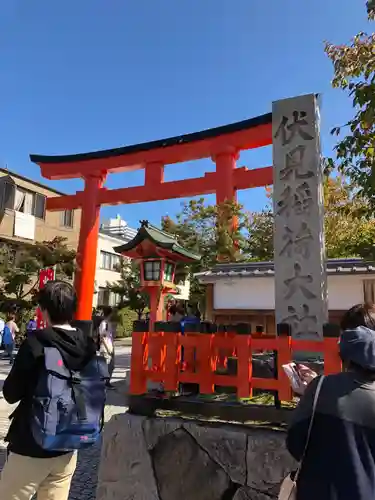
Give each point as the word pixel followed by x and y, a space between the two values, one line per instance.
pixel 300 275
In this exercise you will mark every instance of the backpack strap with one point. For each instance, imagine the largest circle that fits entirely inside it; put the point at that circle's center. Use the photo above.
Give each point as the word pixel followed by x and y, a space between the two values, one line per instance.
pixel 79 398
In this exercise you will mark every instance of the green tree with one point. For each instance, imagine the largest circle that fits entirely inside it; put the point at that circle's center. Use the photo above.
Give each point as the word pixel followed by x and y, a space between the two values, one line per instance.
pixel 128 288
pixel 19 269
pixel 208 231
pixel 259 245
pixel 348 232
pixel 354 72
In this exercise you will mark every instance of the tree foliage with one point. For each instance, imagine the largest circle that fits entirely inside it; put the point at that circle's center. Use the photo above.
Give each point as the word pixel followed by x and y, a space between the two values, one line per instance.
pixel 208 231
pixel 20 266
pixel 348 232
pixel 260 235
pixel 128 288
pixel 354 72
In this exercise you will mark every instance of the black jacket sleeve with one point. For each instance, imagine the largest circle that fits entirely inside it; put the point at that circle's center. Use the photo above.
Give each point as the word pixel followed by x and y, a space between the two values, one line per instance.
pixel 22 375
pixel 298 429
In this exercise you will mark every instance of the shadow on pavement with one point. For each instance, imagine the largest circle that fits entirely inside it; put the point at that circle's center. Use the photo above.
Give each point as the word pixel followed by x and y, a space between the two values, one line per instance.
pixel 122 361
pixel 86 475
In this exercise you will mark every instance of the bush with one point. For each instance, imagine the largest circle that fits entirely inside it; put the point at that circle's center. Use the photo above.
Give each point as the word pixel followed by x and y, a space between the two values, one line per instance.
pixel 124 322
pixel 23 317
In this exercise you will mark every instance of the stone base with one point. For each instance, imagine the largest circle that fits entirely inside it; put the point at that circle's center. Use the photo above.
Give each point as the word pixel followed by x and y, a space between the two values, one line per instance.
pixel 177 459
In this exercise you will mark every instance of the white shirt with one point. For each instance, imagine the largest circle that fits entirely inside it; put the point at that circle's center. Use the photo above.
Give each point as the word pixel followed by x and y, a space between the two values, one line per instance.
pixel 106 338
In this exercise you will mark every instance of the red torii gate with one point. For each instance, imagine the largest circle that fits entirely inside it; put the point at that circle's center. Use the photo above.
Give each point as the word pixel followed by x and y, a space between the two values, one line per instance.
pixel 222 144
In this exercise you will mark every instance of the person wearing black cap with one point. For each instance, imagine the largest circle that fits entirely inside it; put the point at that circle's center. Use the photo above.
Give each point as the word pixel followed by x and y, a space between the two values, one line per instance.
pixel 339 461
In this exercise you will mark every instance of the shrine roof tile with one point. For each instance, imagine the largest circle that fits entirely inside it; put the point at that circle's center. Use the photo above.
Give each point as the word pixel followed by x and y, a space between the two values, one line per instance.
pixel 266 269
pixel 159 238
pixel 162 143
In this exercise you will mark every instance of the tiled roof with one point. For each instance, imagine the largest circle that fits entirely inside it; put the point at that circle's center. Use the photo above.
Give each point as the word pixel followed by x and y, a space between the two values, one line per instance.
pixel 163 143
pixel 266 269
pixel 160 238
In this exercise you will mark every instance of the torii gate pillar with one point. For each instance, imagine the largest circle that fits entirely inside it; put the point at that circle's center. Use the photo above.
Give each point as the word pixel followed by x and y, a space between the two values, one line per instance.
pixel 88 246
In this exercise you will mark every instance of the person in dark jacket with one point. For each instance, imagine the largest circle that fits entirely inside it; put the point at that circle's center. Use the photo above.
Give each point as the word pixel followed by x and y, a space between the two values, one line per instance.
pixel 30 469
pixel 340 460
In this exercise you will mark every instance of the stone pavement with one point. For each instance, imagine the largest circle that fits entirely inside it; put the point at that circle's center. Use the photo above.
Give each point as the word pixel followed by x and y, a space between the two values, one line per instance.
pixel 85 478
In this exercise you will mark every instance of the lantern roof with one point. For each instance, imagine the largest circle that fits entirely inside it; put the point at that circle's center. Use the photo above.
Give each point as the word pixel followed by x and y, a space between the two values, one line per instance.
pixel 160 239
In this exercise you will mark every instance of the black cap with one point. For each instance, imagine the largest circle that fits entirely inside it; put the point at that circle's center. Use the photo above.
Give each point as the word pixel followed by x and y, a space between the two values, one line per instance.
pixel 358 346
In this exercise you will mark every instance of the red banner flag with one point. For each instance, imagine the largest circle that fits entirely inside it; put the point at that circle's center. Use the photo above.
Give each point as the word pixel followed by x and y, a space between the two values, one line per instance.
pixel 45 275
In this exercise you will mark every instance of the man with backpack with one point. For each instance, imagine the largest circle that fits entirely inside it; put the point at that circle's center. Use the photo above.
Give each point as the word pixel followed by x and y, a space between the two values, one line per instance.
pixel 59 383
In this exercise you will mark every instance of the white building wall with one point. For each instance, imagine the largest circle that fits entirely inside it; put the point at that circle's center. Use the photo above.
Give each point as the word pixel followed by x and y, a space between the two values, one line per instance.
pixel 105 276
pixel 118 227
pixel 259 293
pixel 184 291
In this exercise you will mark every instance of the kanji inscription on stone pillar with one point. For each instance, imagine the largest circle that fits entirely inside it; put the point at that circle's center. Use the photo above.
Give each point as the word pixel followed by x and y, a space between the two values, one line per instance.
pixel 300 274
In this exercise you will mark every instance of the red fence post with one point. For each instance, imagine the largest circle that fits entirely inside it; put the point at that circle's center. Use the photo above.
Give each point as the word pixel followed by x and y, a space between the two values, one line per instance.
pixel 172 361
pixel 157 346
pixel 221 354
pixel 139 358
pixel 244 361
pixel 332 360
pixel 204 355
pixel 284 356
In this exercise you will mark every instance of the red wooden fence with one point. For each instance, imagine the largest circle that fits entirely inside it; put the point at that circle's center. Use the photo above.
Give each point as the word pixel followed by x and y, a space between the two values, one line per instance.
pixel 156 357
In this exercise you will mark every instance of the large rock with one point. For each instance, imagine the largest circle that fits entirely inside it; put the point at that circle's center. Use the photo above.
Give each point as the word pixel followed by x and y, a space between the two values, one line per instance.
pixel 156 428
pixel 125 466
pixel 184 470
pixel 227 447
pixel 268 460
pixel 178 459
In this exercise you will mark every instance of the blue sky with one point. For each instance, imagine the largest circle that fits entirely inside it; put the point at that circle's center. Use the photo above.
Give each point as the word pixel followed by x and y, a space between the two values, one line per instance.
pixel 83 75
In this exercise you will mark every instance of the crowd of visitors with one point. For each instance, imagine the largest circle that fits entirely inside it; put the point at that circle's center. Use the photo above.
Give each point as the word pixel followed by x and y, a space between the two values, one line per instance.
pixel 184 314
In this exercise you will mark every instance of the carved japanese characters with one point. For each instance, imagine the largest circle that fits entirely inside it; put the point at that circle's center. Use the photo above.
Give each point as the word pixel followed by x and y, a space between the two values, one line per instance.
pixel 300 278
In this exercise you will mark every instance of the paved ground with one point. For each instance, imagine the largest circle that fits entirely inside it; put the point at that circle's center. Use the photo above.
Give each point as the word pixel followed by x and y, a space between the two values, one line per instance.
pixel 84 481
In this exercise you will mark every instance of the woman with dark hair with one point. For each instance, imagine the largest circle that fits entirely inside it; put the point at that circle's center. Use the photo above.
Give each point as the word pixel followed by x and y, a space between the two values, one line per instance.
pixel 175 315
pixel 336 442
pixel 359 315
